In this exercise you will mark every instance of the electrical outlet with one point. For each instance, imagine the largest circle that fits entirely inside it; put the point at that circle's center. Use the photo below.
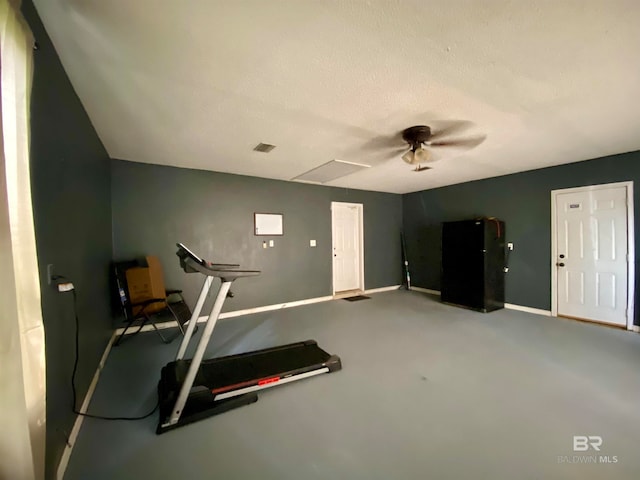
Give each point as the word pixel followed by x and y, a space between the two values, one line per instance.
pixel 264 244
pixel 65 287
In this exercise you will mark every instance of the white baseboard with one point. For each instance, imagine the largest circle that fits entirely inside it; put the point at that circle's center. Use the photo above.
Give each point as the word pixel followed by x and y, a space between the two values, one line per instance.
pixel 147 328
pixel 426 290
pixel 510 306
pixel 66 454
pixel 248 311
pixel 277 306
pixel 522 308
pixel 382 289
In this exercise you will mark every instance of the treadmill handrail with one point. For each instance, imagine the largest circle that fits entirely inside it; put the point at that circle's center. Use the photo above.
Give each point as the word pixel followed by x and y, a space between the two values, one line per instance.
pixel 191 263
pixel 216 270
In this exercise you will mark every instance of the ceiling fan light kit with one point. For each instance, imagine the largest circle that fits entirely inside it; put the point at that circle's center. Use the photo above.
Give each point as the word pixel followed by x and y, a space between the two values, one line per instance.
pixel 420 136
pixel 417 156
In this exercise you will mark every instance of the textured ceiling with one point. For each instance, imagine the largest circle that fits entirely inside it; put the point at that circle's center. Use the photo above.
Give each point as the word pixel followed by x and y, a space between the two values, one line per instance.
pixel 198 84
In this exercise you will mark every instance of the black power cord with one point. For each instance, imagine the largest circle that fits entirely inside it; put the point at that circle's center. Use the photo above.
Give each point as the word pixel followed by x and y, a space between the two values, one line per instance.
pixel 75 367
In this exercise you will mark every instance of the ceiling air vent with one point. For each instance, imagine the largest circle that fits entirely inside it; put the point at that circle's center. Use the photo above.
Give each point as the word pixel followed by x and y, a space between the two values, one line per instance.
pixel 264 147
pixel 330 171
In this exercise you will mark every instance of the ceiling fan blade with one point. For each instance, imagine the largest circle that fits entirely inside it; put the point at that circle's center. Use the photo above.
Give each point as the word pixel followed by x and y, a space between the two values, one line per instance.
pixel 386 142
pixel 460 142
pixel 392 154
pixel 439 130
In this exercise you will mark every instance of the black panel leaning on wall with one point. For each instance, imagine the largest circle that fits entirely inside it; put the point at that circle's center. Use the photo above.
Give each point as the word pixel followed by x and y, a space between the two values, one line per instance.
pixel 523 201
pixel 156 206
pixel 70 183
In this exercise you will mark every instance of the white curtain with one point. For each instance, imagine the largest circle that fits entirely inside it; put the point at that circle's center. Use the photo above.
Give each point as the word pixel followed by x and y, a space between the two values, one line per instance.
pixel 22 354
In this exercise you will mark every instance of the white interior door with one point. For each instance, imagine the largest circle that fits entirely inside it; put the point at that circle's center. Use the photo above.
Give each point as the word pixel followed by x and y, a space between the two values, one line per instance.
pixel 347 246
pixel 592 254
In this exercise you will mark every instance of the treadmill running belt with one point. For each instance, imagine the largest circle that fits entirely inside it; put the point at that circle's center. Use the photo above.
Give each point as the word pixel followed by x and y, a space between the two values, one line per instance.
pixel 234 370
pixel 225 373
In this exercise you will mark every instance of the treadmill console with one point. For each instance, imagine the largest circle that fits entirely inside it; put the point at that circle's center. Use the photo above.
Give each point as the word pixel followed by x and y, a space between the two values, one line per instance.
pixel 184 253
pixel 182 246
pixel 191 263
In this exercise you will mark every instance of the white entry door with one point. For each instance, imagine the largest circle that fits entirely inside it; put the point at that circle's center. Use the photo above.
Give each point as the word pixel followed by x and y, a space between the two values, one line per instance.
pixel 348 271
pixel 591 263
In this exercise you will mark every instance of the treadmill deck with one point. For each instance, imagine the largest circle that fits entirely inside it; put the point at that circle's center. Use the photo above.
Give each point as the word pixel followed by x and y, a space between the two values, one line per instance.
pixel 259 367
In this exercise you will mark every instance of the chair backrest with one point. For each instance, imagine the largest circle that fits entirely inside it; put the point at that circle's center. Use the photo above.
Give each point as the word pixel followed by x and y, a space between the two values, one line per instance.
pixel 122 297
pixel 156 276
pixel 145 283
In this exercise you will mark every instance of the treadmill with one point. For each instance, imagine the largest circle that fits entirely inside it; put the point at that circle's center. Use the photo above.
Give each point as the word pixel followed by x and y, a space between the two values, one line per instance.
pixel 192 389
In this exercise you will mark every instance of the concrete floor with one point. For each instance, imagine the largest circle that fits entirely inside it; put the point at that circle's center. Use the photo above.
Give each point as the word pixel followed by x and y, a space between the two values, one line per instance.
pixel 427 391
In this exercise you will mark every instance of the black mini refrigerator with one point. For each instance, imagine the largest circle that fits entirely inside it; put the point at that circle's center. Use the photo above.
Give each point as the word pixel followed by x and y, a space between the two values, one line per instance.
pixel 473 263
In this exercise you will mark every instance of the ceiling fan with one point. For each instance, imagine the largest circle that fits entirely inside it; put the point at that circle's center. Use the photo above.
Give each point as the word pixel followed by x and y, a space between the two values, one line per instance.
pixel 423 141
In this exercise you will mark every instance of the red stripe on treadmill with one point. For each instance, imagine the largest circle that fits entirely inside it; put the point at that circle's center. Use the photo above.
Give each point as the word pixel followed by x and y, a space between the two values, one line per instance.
pixel 229 388
pixel 238 386
pixel 268 380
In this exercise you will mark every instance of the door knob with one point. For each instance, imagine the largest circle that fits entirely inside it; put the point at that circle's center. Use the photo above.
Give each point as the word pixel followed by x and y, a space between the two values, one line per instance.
pixel 560 264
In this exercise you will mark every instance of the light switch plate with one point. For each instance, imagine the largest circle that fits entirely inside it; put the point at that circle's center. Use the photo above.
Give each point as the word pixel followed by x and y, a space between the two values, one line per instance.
pixel 271 243
pixel 312 243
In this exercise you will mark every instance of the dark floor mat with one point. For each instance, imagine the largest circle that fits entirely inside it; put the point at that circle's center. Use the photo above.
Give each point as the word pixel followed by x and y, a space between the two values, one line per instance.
pixel 356 298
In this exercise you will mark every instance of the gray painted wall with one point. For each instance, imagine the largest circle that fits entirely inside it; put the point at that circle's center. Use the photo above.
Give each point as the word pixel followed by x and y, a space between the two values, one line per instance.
pixel 78 193
pixel 70 181
pixel 155 206
pixel 523 201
